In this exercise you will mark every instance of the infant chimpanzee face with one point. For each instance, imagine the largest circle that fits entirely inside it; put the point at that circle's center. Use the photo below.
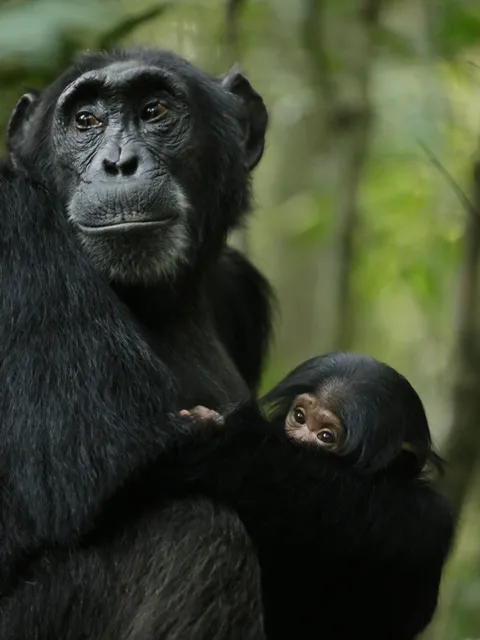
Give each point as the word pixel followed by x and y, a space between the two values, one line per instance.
pixel 309 421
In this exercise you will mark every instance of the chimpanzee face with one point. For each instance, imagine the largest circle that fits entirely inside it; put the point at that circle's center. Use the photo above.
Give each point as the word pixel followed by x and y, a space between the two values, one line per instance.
pixel 151 158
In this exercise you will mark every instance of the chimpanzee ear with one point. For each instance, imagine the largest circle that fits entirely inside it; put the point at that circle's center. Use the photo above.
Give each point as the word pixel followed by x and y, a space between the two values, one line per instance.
pixel 256 116
pixel 19 119
pixel 410 461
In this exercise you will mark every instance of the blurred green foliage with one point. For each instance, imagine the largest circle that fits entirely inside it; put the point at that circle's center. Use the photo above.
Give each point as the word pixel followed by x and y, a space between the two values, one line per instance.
pixel 422 85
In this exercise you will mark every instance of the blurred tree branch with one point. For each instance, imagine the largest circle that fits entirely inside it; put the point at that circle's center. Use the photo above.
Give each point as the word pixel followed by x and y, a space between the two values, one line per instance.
pixel 323 152
pixel 233 8
pixel 239 238
pixel 125 27
pixel 348 118
pixel 353 121
pixel 317 51
pixel 304 145
pixel 462 450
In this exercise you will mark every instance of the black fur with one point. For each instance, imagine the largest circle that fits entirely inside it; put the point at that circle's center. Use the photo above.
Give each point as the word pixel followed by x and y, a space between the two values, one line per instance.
pixel 69 463
pixel 201 297
pixel 242 302
pixel 343 552
pixel 85 409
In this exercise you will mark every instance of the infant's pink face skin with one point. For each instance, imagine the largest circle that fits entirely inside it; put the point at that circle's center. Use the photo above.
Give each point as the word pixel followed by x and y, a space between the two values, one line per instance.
pixel 309 421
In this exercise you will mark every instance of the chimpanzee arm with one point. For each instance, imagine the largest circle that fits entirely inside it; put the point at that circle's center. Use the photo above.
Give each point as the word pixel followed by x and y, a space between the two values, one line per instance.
pixel 77 414
pixel 241 300
pixel 257 469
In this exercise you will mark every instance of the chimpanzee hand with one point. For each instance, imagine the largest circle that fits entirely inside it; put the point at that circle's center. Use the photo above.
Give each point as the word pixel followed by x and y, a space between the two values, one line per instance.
pixel 202 414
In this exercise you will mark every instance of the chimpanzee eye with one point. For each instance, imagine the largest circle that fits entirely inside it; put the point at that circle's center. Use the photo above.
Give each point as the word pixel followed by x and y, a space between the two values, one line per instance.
pixel 153 110
pixel 86 120
pixel 326 436
pixel 299 416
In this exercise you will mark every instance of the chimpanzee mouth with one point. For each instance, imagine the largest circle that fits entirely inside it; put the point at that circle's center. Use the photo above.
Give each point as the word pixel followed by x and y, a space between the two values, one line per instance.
pixel 122 227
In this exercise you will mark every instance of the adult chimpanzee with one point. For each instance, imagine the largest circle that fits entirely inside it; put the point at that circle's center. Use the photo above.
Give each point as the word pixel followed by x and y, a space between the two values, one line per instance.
pixel 364 545
pixel 86 409
pixel 151 159
pixel 103 535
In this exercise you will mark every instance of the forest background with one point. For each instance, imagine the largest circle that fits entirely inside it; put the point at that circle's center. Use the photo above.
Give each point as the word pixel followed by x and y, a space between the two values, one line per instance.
pixel 367 212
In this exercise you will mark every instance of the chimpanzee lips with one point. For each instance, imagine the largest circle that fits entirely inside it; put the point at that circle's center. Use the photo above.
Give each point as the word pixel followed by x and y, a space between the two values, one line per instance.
pixel 122 227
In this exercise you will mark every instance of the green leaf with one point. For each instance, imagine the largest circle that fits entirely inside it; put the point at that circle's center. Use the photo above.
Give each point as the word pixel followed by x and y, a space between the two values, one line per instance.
pixel 459 27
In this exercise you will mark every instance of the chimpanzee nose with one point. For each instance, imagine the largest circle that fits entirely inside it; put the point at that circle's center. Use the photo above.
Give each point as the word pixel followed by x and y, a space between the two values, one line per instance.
pixel 121 161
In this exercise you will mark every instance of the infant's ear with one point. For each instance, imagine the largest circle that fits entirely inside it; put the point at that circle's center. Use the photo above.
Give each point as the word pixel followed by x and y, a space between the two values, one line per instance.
pixel 410 462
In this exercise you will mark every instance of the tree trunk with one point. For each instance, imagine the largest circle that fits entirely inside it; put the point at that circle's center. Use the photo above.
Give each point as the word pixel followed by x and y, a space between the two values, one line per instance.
pixel 352 120
pixel 239 238
pixel 462 450
pixel 331 142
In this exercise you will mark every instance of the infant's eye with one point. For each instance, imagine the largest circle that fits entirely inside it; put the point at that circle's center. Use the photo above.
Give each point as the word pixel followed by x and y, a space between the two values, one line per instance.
pixel 326 436
pixel 299 416
pixel 153 110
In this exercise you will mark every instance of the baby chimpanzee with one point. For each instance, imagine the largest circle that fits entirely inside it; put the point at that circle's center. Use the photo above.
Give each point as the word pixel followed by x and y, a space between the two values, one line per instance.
pixel 351 405
pixel 360 547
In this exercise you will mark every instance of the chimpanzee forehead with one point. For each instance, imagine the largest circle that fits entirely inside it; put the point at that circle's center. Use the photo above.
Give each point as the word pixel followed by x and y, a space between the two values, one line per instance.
pixel 132 65
pixel 120 76
pixel 128 61
pixel 119 73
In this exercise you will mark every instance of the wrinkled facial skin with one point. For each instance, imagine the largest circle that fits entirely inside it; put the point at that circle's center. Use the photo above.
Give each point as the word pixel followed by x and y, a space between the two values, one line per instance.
pixel 309 421
pixel 118 134
pixel 150 156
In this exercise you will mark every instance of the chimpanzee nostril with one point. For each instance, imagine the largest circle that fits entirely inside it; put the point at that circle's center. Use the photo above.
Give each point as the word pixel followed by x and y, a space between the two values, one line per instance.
pixel 122 163
pixel 128 164
pixel 110 167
